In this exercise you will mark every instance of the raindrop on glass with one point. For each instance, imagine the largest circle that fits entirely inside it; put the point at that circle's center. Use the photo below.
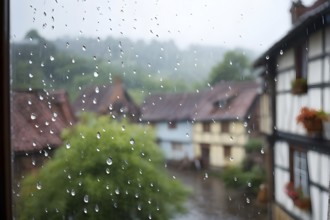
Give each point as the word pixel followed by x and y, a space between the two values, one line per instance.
pixel 68 145
pixel 98 135
pixel 96 74
pixel 109 161
pixel 97 209
pixel 132 141
pixel 51 58
pixel 123 128
pixel 39 186
pixel 117 191
pixel 247 200
pixel 97 90
pixel 84 48
pixel 86 198
pixel 33 116
pixel 73 193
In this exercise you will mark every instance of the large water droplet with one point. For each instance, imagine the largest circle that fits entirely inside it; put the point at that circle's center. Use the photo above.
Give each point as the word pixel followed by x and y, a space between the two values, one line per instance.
pixel 247 200
pixel 97 90
pixel 97 209
pixel 123 128
pixel 98 135
pixel 109 161
pixel 132 141
pixel 68 145
pixel 86 198
pixel 117 191
pixel 73 192
pixel 96 74
pixel 51 58
pixel 33 116
pixel 39 186
pixel 262 150
pixel 84 48
pixel 85 210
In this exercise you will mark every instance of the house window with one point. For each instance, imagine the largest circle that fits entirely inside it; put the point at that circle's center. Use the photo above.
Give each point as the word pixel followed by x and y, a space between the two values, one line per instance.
pixel 301 60
pixel 225 127
pixel 227 151
pixel 177 146
pixel 299 170
pixel 171 125
pixel 206 127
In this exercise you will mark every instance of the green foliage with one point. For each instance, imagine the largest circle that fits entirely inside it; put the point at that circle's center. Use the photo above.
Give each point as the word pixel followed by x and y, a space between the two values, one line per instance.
pixel 237 177
pixel 118 175
pixel 253 145
pixel 234 66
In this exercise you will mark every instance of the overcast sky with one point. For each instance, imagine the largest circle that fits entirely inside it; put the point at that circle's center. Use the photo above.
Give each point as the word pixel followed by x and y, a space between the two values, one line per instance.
pixel 253 24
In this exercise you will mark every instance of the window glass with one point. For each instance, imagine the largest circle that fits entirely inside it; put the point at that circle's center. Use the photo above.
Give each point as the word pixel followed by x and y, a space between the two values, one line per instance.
pixel 109 101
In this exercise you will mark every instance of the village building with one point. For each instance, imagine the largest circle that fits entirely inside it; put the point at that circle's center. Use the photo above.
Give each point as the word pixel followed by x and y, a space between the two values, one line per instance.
pixel 108 99
pixel 211 126
pixel 38 118
pixel 171 117
pixel 296 73
pixel 226 118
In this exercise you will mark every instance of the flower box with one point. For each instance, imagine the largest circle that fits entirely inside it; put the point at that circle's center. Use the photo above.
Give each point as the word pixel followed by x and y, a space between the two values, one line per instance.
pixel 312 120
pixel 299 86
pixel 297 197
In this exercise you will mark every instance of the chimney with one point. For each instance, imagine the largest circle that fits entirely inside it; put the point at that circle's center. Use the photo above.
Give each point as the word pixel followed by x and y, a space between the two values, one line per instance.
pixel 298 9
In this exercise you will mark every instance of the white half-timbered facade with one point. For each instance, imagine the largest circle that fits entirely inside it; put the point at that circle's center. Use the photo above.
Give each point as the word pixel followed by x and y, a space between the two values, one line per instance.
pixel 300 164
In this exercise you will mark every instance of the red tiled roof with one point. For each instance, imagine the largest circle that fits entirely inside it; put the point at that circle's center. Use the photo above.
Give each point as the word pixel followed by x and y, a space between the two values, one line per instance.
pixel 38 119
pixel 202 106
pixel 110 98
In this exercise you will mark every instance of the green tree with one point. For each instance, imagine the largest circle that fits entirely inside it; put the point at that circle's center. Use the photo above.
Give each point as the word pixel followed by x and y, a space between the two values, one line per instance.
pixel 106 170
pixel 234 66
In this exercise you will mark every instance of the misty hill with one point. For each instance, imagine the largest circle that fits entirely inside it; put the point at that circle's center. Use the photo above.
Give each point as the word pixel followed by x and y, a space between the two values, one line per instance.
pixel 165 58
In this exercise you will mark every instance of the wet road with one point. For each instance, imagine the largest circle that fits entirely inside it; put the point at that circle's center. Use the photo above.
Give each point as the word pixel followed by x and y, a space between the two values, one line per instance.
pixel 210 199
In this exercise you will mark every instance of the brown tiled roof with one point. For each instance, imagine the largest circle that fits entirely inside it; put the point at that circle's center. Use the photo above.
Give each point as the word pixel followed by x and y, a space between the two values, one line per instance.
pixel 202 106
pixel 170 107
pixel 105 99
pixel 38 119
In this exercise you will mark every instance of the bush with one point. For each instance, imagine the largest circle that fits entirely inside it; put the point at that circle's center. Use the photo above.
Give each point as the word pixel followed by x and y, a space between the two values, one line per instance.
pixel 253 145
pixel 237 178
pixel 106 170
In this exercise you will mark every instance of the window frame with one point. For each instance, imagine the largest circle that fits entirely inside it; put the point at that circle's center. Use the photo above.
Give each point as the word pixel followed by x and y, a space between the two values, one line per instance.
pixel 5 154
pixel 206 126
pixel 226 150
pixel 227 127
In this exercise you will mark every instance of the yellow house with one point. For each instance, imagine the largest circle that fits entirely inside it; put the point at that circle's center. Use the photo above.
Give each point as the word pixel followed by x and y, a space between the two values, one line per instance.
pixel 225 119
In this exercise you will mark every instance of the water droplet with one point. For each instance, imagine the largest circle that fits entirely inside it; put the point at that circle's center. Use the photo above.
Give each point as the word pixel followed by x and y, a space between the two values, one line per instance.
pixel 117 191
pixel 97 90
pixel 86 198
pixel 132 141
pixel 206 175
pixel 247 200
pixel 109 161
pixel 51 58
pixel 230 63
pixel 123 128
pixel 245 124
pixel 85 210
pixel 231 158
pixel 84 48
pixel 96 74
pixel 281 52
pixel 235 179
pixel 39 186
pixel 98 135
pixel 149 217
pixel 249 184
pixel 139 207
pixel 30 61
pixel 262 150
pixel 30 75
pixel 73 61
pixel 97 209
pixel 73 192
pixel 267 57
pixel 33 116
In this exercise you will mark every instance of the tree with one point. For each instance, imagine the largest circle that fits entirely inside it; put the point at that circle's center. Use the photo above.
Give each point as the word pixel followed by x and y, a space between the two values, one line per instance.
pixel 234 66
pixel 106 170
